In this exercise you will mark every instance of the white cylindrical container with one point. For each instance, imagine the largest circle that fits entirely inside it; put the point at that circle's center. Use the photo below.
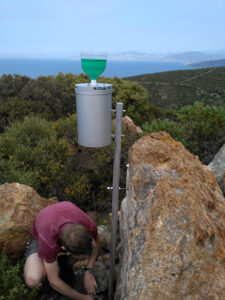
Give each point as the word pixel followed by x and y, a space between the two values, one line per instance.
pixel 94 114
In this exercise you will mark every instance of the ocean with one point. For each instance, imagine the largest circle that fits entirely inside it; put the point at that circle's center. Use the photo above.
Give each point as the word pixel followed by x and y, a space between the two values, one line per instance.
pixel 44 67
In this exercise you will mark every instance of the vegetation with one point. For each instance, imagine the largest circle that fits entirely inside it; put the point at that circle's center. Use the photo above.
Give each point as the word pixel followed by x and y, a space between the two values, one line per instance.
pixel 173 90
pixel 38 139
pixel 54 97
pixel 11 284
pixel 199 127
pixel 38 136
pixel 32 154
pixel 46 156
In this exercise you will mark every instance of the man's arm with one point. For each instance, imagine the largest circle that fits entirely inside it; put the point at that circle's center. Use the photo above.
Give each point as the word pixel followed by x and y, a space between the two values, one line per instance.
pixel 89 280
pixel 52 271
pixel 94 254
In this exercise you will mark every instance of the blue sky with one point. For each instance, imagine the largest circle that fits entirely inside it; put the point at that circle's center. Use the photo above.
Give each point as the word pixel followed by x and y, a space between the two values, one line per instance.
pixel 63 28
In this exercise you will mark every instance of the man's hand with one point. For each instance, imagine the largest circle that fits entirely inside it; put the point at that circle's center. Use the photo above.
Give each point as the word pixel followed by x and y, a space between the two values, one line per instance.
pixel 88 297
pixel 89 280
pixel 52 270
pixel 90 283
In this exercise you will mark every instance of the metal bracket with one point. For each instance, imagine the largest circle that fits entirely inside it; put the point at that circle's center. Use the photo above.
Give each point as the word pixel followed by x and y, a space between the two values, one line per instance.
pixel 114 110
pixel 111 188
pixel 113 135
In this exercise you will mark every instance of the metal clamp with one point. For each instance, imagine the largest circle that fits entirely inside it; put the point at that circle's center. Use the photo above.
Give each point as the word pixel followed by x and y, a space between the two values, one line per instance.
pixel 111 188
pixel 114 110
pixel 113 135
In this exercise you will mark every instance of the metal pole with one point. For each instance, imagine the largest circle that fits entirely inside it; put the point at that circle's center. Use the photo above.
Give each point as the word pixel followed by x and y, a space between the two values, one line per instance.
pixel 115 196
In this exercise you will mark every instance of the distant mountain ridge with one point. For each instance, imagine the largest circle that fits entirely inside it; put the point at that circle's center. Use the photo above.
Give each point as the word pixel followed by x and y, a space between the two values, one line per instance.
pixel 193 57
pixel 209 64
pixel 183 57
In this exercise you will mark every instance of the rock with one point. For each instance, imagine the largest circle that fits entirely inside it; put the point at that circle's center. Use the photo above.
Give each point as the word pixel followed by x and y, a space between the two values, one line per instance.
pixel 172 225
pixel 101 273
pixel 19 205
pixel 105 238
pixel 102 228
pixel 130 128
pixel 218 167
pixel 75 277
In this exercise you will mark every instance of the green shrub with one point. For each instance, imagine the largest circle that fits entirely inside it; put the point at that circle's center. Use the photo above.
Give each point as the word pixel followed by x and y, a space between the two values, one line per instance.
pixel 201 128
pixel 177 132
pixel 133 96
pixel 66 128
pixel 12 286
pixel 203 120
pixel 16 109
pixel 31 153
pixel 12 171
pixel 204 126
pixel 11 86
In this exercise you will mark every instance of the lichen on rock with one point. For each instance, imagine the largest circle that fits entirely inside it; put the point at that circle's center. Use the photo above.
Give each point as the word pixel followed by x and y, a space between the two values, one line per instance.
pixel 172 225
pixel 19 204
pixel 218 167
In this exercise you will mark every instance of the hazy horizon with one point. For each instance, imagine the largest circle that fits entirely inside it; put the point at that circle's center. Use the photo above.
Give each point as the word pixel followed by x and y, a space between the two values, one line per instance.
pixel 124 55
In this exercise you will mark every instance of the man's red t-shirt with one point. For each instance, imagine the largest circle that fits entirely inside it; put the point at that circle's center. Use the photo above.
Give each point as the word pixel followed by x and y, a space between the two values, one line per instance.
pixel 49 223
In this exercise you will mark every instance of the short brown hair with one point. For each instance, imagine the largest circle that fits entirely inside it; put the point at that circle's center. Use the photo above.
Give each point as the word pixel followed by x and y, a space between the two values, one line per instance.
pixel 77 239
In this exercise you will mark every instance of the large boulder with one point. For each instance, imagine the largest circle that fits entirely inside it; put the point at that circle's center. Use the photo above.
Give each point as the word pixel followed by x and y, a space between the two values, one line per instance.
pixel 218 167
pixel 172 225
pixel 19 205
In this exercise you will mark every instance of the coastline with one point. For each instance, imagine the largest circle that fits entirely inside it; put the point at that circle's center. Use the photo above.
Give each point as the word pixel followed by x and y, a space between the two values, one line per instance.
pixel 46 67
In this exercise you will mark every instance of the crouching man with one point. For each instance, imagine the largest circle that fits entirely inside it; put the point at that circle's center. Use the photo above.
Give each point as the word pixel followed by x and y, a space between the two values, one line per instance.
pixel 61 226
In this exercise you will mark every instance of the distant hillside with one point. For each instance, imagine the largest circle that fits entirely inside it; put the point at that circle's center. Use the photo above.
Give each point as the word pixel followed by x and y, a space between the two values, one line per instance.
pixel 178 88
pixel 209 64
pixel 182 57
pixel 192 57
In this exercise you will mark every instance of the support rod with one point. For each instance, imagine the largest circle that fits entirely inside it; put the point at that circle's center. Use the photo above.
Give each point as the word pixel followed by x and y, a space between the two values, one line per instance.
pixel 115 196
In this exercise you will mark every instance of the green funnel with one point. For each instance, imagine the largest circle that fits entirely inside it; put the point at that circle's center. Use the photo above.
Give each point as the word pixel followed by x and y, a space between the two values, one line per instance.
pixel 93 65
